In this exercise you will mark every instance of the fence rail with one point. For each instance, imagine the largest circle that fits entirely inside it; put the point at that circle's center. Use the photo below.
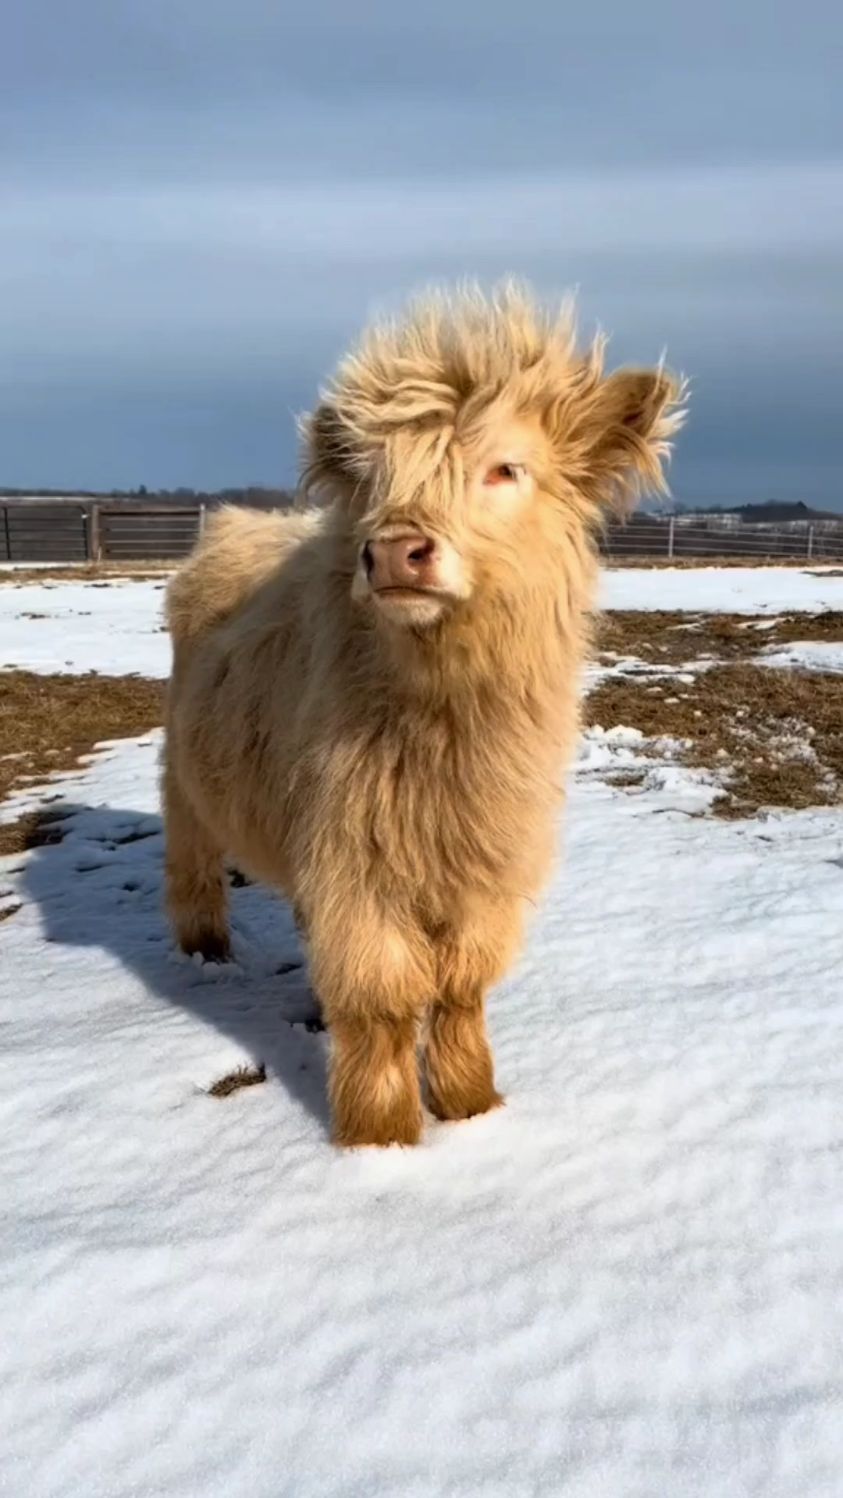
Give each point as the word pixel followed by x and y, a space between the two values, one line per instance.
pixel 137 535
pixel 67 531
pixel 95 532
pixel 674 538
pixel 43 533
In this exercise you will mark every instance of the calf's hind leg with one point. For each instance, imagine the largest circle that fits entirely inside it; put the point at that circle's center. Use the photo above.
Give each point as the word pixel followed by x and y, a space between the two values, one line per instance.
pixel 458 1061
pixel 374 1081
pixel 197 897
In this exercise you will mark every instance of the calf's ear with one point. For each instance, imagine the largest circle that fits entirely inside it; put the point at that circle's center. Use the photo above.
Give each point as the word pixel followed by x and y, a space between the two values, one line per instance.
pixel 633 416
pixel 326 457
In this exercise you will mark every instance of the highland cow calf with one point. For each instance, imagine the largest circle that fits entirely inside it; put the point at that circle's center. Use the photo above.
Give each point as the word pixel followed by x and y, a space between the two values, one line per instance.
pixel 372 703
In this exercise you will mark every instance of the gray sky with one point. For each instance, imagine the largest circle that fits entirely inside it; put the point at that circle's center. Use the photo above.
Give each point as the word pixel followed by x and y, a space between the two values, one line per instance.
pixel 202 201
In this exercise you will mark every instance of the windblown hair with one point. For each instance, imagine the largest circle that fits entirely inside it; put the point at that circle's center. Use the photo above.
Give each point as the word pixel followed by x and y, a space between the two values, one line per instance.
pixel 399 783
pixel 432 377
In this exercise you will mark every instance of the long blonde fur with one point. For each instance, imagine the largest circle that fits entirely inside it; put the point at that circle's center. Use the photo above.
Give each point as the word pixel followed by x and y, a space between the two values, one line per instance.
pixel 400 785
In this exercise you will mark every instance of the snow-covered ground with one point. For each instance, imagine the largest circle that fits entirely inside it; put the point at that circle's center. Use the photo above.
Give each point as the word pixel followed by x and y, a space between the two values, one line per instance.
pixel 806 655
pixel 115 626
pixel 628 1282
pixel 734 590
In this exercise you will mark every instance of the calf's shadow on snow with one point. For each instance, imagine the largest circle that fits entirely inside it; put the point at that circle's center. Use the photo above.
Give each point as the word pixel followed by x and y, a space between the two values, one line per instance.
pixel 96 876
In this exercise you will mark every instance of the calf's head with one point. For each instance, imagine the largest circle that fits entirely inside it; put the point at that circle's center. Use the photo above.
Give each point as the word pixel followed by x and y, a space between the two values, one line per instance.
pixel 468 448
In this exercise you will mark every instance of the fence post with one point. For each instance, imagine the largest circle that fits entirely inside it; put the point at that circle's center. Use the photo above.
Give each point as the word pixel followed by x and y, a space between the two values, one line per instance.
pixel 671 528
pixel 94 542
pixel 202 509
pixel 810 540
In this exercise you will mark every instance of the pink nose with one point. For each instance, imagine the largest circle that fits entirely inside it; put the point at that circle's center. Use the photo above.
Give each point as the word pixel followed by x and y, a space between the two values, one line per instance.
pixel 408 561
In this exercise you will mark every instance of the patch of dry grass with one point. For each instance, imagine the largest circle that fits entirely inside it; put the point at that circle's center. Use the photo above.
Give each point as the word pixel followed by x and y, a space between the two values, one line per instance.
pixel 48 722
pixel 86 572
pixel 774 736
pixel 35 829
pixel 244 1076
pixel 673 638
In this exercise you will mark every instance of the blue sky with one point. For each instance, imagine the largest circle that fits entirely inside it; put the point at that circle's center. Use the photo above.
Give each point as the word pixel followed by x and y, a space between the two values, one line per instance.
pixel 202 202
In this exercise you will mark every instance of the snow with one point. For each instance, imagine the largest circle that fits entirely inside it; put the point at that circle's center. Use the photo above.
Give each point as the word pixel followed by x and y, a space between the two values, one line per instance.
pixel 112 626
pixel 734 590
pixel 627 1282
pixel 806 655
pixel 116 627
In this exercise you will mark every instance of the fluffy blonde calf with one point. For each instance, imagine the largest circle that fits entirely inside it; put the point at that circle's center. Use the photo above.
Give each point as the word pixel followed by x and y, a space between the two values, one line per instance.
pixel 372 703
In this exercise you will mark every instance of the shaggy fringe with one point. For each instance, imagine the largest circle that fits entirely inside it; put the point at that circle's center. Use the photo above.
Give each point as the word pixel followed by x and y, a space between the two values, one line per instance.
pixel 453 360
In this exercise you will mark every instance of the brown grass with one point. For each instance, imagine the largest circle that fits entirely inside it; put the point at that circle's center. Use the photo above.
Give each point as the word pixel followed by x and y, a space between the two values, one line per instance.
pixel 738 713
pixel 671 638
pixel 244 1076
pixel 86 572
pixel 775 736
pixel 35 829
pixel 48 722
pixel 148 571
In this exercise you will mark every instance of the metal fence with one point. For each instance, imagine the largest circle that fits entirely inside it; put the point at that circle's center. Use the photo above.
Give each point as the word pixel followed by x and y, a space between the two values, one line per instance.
pixel 43 533
pixel 79 531
pixel 676 538
pixel 94 532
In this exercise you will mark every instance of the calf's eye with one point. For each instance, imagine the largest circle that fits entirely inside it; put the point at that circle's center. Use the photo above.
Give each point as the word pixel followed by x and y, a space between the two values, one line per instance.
pixel 502 473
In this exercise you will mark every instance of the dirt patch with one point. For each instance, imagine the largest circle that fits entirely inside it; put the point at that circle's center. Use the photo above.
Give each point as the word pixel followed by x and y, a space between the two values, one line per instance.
pixel 24 833
pixel 35 829
pixel 671 638
pixel 93 572
pixel 48 722
pixel 7 911
pixel 628 778
pixel 773 737
pixel 244 1076
pixel 824 626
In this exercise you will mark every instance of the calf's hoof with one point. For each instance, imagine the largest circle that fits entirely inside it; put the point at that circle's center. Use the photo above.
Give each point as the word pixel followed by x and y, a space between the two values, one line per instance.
pixel 452 1106
pixel 212 946
pixel 354 1129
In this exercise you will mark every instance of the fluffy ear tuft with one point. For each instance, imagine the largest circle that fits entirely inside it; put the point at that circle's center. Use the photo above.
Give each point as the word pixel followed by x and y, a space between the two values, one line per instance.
pixel 326 450
pixel 633 418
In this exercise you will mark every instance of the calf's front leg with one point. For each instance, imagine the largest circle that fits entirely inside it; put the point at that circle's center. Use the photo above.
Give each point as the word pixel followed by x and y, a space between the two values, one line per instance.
pixel 197 896
pixel 374 983
pixel 458 1059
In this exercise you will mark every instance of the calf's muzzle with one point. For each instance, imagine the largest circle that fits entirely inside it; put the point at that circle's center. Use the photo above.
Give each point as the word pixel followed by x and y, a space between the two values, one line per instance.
pixel 406 561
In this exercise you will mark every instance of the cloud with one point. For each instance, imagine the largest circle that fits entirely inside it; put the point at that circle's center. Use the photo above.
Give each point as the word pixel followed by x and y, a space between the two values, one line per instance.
pixel 204 201
pixel 675 207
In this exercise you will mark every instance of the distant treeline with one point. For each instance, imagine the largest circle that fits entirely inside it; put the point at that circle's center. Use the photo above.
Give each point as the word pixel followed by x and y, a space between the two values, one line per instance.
pixel 767 512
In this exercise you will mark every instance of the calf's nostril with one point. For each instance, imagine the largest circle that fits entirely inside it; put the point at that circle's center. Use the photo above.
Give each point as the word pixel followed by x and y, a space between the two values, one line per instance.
pixel 398 561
